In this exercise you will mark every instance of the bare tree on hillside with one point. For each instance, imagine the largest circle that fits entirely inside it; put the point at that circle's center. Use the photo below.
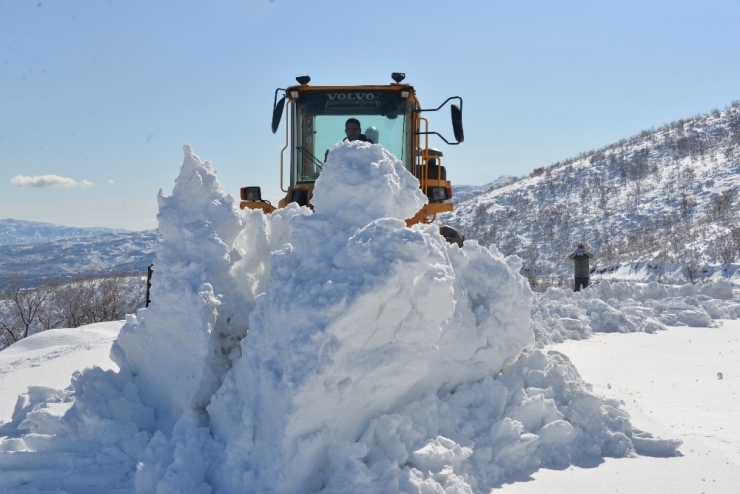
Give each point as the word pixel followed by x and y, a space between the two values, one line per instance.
pixel 721 206
pixel 657 265
pixel 69 301
pixel 726 247
pixel 531 264
pixel 727 253
pixel 94 300
pixel 112 299
pixel 688 203
pixel 23 308
pixel 692 266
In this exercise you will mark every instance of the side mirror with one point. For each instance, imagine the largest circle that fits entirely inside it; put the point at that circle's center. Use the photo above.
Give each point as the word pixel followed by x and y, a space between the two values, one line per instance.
pixel 457 125
pixel 277 114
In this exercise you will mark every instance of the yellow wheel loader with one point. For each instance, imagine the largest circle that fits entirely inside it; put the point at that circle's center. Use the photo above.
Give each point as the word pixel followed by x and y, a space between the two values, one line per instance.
pixel 389 115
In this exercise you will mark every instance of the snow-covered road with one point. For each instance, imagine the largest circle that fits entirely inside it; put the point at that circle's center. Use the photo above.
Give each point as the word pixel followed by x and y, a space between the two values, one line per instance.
pixel 668 382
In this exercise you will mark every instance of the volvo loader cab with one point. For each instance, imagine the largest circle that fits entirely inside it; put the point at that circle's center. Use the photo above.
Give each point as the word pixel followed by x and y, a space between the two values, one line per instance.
pixel 389 115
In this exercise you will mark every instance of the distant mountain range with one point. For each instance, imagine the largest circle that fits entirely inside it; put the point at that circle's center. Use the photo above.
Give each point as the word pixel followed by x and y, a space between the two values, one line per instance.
pixel 69 255
pixel 462 193
pixel 32 232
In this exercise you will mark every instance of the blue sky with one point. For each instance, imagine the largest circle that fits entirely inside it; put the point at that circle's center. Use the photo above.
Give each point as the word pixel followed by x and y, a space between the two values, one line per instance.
pixel 104 94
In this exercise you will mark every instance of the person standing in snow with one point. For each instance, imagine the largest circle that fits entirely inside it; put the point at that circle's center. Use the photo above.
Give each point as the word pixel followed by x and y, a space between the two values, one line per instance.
pixel 581 257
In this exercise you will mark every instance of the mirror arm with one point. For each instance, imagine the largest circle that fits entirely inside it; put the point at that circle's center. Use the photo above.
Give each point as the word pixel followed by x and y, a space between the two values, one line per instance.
pixel 443 104
pixel 438 135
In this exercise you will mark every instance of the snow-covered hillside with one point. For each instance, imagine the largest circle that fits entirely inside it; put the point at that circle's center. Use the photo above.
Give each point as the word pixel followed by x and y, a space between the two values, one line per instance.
pixel 667 200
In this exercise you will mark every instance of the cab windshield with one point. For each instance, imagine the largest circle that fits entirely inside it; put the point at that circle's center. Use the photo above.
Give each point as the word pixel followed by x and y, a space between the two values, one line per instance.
pixel 320 125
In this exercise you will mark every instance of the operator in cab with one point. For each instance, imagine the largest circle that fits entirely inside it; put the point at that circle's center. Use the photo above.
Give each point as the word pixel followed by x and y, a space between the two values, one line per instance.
pixel 352 129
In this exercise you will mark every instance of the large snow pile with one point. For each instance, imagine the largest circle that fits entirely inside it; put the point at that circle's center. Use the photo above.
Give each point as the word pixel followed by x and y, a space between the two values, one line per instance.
pixel 333 350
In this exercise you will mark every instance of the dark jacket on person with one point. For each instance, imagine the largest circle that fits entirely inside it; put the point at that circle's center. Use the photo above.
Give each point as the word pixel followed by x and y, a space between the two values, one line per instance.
pixel 363 138
pixel 581 260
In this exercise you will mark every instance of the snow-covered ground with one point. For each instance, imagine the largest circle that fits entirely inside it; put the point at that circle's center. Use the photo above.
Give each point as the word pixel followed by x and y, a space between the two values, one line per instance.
pixel 668 382
pixel 379 359
pixel 682 383
pixel 50 358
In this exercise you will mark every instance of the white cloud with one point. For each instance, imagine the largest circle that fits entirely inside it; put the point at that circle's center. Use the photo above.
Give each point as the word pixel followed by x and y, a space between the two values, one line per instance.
pixel 48 181
pixel 110 182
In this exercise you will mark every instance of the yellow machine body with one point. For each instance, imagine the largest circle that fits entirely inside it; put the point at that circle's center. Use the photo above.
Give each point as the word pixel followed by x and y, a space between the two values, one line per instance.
pixel 390 115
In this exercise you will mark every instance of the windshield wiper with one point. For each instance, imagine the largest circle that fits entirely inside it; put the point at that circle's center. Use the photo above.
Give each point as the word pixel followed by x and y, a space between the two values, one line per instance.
pixel 306 152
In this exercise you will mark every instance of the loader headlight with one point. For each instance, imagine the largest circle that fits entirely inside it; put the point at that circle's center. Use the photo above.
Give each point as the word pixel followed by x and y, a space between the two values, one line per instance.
pixel 251 194
pixel 437 194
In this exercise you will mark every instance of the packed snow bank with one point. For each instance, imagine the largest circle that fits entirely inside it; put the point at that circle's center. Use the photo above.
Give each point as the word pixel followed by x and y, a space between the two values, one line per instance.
pixel 178 348
pixel 361 315
pixel 331 350
pixel 560 314
pixel 70 349
pixel 662 272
